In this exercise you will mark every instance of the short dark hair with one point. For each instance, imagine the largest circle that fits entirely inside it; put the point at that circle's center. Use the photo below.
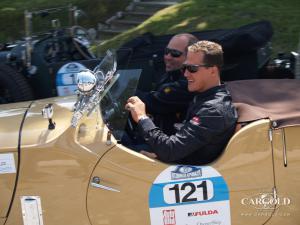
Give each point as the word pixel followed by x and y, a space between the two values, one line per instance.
pixel 213 52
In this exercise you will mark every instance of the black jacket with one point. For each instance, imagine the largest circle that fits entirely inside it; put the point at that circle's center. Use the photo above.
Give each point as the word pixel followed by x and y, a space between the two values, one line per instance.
pixel 209 124
pixel 169 101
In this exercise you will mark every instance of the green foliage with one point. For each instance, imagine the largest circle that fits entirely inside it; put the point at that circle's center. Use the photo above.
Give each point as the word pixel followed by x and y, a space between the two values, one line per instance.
pixel 187 16
pixel 12 14
pixel 196 15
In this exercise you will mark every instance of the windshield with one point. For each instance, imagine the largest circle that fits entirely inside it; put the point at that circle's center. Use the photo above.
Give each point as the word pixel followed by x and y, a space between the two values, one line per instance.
pixel 108 88
pixel 113 103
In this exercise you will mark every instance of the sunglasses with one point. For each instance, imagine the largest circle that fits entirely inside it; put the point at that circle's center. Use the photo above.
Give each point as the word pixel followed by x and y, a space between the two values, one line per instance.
pixel 173 52
pixel 193 68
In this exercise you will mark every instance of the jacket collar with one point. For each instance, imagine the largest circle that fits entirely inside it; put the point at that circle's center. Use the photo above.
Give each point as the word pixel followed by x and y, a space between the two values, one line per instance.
pixel 175 74
pixel 209 92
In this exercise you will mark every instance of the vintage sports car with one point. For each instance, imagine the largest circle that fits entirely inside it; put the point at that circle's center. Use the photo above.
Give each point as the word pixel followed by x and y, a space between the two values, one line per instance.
pixel 62 162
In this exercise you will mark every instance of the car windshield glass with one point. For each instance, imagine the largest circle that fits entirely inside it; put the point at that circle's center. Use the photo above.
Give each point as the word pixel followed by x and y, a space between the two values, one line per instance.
pixel 113 103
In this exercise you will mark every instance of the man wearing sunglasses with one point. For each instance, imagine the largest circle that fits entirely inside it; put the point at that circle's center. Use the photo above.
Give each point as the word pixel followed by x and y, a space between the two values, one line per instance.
pixel 168 102
pixel 211 117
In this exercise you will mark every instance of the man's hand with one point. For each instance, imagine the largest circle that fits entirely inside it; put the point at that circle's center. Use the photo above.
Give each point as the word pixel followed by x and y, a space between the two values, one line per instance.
pixel 149 154
pixel 136 108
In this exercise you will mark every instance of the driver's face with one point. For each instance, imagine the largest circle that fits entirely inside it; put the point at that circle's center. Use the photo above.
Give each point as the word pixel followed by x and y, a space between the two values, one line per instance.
pixel 172 62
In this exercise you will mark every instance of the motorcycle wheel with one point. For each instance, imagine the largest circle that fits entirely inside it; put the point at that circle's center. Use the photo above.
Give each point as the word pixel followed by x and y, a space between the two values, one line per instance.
pixel 13 86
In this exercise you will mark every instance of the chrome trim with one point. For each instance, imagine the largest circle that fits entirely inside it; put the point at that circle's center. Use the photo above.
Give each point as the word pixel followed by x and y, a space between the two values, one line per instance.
pixel 270 135
pixel 108 138
pixel 284 148
pixel 87 101
pixel 95 185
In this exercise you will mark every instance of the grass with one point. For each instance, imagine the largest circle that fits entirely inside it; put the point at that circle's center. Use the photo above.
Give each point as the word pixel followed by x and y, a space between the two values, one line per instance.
pixel 199 15
pixel 187 16
pixel 12 14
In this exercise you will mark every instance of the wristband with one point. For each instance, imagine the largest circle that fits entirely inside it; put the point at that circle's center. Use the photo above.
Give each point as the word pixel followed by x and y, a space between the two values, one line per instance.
pixel 143 118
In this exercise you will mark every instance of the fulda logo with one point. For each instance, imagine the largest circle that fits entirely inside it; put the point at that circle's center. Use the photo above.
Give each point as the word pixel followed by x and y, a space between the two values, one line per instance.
pixel 265 201
pixel 204 213
pixel 184 172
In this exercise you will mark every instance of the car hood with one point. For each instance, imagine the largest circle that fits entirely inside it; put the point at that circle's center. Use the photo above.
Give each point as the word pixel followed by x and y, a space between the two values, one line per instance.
pixel 35 130
pixel 91 132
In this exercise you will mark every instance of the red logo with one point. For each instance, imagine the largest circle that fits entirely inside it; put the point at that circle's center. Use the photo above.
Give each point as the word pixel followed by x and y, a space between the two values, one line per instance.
pixel 169 217
pixel 195 120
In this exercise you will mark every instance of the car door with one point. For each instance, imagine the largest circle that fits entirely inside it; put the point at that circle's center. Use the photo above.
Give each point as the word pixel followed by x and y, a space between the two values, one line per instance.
pixel 122 186
pixel 128 188
pixel 119 186
pixel 247 167
pixel 10 122
pixel 287 169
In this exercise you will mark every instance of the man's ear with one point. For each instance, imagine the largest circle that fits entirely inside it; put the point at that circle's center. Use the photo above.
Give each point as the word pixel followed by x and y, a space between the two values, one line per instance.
pixel 214 71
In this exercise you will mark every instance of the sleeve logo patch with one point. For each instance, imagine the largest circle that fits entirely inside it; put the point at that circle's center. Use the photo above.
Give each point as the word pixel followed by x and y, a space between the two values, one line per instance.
pixel 167 90
pixel 195 120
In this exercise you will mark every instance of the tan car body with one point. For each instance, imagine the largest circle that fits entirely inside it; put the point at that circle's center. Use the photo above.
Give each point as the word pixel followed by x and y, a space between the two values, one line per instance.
pixel 60 165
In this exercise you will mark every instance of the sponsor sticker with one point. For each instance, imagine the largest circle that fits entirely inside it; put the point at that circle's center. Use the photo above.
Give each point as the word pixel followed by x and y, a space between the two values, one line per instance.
pixel 7 163
pixel 184 172
pixel 204 212
pixel 214 222
pixel 66 78
pixel 187 195
pixel 32 210
pixel 169 217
